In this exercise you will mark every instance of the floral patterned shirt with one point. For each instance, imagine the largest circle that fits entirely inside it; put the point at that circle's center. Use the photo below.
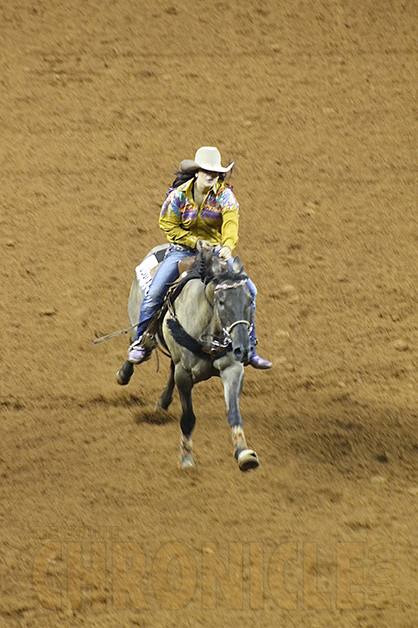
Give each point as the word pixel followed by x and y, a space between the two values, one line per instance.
pixel 216 220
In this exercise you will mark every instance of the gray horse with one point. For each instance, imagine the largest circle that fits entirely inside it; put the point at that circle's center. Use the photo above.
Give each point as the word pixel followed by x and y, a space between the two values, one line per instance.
pixel 206 333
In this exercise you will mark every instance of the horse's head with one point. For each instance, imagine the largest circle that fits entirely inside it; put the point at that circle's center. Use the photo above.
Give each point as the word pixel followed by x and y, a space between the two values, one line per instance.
pixel 232 306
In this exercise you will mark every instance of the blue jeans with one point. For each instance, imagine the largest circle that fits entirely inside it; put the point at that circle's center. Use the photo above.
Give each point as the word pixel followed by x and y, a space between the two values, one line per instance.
pixel 165 275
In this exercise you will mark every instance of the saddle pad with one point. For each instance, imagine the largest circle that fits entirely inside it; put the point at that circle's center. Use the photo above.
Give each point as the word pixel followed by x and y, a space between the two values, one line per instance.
pixel 148 267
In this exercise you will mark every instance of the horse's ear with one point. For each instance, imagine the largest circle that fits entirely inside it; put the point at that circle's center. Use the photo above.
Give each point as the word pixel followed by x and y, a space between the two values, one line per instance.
pixel 237 265
pixel 216 266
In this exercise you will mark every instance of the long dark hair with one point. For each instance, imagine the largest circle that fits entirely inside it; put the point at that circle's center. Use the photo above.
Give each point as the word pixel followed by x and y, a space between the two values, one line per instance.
pixel 185 175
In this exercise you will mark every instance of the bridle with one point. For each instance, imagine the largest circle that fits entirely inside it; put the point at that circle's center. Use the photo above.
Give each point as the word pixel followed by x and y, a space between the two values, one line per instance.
pixel 229 286
pixel 219 345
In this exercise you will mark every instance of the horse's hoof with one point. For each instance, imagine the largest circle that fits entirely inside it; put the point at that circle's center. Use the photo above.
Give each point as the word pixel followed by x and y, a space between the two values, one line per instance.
pixel 124 374
pixel 247 459
pixel 187 462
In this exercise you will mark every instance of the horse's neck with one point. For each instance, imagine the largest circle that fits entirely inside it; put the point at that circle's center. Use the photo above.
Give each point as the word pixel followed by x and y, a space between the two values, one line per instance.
pixel 214 328
pixel 193 309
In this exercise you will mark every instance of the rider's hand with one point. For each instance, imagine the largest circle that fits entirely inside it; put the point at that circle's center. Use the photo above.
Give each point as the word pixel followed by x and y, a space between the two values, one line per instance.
pixel 225 253
pixel 203 245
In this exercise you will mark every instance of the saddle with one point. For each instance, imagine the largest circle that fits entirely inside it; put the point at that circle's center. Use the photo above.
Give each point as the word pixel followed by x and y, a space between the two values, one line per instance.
pixel 195 267
pixel 185 265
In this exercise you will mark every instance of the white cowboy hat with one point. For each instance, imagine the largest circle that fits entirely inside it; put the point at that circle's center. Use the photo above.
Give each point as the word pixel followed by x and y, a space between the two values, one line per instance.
pixel 206 158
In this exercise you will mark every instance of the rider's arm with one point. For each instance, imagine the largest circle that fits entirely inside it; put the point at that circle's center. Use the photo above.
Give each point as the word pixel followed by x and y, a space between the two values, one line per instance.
pixel 170 221
pixel 230 217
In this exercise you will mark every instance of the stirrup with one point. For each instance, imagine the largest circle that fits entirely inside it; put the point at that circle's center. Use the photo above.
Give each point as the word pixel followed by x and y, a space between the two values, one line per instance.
pixel 138 352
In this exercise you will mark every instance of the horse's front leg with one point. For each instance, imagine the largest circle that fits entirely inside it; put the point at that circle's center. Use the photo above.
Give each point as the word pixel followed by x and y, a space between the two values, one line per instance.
pixel 233 380
pixel 184 383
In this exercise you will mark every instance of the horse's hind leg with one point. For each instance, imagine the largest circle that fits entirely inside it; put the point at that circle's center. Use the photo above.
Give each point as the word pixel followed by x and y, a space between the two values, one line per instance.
pixel 184 385
pixel 167 396
pixel 124 374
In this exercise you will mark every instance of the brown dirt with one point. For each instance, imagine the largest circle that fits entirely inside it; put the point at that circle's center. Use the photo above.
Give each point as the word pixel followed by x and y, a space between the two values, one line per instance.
pixel 316 103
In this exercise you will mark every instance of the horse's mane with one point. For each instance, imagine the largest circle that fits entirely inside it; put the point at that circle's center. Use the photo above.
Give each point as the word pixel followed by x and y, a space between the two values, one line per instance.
pixel 229 275
pixel 212 270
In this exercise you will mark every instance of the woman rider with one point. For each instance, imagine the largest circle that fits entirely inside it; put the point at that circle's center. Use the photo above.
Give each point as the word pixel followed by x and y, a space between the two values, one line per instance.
pixel 200 208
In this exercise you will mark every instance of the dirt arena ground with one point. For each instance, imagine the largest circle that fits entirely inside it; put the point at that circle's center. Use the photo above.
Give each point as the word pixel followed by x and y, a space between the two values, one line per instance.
pixel 316 102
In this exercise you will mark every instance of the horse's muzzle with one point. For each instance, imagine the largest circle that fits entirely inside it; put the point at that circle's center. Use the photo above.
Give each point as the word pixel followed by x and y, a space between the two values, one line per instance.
pixel 241 355
pixel 241 345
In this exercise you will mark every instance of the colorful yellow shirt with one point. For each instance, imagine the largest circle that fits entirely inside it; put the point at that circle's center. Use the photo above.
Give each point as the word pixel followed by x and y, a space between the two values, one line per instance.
pixel 215 221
